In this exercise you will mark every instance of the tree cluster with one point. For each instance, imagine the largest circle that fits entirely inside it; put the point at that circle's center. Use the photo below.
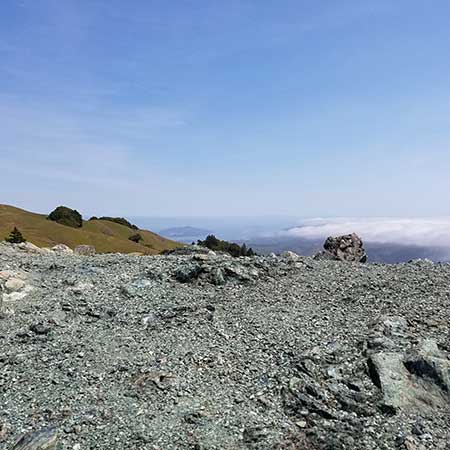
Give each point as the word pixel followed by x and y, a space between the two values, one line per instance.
pixel 66 216
pixel 119 220
pixel 232 248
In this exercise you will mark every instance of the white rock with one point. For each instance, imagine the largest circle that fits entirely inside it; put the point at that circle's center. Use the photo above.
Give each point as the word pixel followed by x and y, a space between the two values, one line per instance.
pixel 29 247
pixel 7 274
pixel 290 256
pixel 14 284
pixel 81 287
pixel 149 320
pixel 14 296
pixel 421 261
pixel 62 249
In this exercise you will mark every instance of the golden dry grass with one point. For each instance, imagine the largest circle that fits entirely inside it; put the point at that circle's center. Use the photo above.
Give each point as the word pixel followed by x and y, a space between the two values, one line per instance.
pixel 105 236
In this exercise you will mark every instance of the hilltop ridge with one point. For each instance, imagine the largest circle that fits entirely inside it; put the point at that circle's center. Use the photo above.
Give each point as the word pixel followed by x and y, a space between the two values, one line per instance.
pixel 105 236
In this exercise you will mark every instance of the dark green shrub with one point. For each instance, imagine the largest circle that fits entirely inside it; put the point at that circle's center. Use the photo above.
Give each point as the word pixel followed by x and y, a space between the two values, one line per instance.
pixel 136 238
pixel 66 216
pixel 15 237
pixel 232 248
pixel 119 220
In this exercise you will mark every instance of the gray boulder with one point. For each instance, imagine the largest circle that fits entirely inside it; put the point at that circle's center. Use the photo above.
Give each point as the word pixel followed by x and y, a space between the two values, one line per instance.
pixel 343 248
pixel 418 379
pixel 46 438
pixel 411 376
pixel 137 288
pixel 84 250
pixel 187 273
pixel 217 276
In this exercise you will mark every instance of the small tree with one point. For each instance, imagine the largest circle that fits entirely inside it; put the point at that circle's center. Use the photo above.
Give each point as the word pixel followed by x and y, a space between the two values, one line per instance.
pixel 15 237
pixel 234 249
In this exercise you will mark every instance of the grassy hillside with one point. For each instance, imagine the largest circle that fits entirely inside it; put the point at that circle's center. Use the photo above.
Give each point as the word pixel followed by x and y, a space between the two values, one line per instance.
pixel 104 236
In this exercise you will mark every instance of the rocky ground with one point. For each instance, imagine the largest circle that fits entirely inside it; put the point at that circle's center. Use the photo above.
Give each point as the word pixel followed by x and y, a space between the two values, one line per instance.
pixel 202 351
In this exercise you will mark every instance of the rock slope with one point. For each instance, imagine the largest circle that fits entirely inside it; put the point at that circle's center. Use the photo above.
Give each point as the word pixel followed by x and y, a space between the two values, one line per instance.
pixel 204 351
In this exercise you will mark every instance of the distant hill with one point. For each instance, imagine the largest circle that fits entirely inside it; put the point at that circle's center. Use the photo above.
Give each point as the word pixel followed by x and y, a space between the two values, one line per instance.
pixel 105 236
pixel 185 232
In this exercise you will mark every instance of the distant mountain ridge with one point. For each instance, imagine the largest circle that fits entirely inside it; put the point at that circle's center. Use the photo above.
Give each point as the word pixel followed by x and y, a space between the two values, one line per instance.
pixel 105 236
pixel 184 232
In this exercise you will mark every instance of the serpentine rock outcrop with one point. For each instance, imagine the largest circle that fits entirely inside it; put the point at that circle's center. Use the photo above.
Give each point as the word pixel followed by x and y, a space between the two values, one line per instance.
pixel 343 248
pixel 205 351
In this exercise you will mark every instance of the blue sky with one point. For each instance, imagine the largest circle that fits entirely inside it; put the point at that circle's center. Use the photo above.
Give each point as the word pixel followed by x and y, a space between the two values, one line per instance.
pixel 303 108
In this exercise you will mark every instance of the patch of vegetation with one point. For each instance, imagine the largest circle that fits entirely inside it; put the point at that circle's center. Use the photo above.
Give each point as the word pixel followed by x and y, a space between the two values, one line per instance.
pixel 136 238
pixel 232 248
pixel 15 237
pixel 66 216
pixel 119 220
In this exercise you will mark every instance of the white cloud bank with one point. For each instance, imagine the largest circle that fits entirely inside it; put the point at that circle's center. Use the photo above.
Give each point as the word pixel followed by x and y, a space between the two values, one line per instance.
pixel 424 232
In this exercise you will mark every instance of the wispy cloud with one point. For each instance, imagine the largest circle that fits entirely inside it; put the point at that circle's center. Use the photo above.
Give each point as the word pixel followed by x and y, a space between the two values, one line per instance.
pixel 84 121
pixel 92 147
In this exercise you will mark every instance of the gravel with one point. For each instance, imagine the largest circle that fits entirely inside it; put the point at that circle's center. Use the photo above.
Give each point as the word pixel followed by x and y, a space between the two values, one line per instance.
pixel 204 351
